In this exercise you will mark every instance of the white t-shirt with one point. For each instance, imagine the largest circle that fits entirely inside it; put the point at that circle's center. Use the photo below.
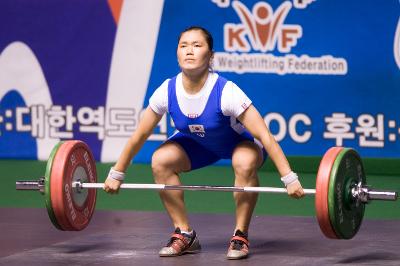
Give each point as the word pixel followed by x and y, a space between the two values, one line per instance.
pixel 233 100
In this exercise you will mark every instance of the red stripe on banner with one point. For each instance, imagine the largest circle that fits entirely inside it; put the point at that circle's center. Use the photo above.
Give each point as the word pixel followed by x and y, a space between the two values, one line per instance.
pixel 115 6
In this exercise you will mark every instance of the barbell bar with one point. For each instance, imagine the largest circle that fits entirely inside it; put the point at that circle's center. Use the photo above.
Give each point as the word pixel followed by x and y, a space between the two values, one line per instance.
pixel 340 194
pixel 364 193
pixel 78 185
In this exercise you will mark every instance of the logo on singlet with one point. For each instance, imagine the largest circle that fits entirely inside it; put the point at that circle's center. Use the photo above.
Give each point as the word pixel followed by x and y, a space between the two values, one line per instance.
pixel 198 130
pixel 193 115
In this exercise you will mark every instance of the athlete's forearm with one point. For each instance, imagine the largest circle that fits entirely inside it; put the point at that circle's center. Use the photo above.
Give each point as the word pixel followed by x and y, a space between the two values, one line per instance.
pixel 276 154
pixel 131 148
pixel 255 124
pixel 149 120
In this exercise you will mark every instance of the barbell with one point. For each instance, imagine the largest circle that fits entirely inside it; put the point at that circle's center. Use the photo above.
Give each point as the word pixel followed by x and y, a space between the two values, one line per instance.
pixel 341 192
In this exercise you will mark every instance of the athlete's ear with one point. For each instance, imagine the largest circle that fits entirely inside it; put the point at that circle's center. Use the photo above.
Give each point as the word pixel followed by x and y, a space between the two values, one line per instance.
pixel 211 62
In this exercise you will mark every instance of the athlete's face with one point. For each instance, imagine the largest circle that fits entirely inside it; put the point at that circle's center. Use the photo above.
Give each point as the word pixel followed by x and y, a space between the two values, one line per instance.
pixel 193 52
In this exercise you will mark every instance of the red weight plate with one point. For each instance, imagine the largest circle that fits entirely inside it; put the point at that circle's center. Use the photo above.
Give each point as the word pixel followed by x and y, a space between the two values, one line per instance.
pixel 73 209
pixel 56 187
pixel 47 192
pixel 321 195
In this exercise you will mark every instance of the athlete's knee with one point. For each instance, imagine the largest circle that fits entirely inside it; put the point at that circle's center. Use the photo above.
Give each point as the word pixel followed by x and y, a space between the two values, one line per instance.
pixel 245 163
pixel 246 159
pixel 244 168
pixel 161 163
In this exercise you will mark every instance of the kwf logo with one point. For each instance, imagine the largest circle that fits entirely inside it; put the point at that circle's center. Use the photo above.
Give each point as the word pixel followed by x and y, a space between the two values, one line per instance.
pixel 263 27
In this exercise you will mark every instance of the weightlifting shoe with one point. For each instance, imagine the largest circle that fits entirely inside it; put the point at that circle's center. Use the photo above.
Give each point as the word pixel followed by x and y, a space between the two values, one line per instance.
pixel 238 246
pixel 181 243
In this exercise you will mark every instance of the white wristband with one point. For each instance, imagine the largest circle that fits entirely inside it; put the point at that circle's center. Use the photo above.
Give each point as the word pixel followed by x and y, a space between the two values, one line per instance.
pixel 117 175
pixel 289 178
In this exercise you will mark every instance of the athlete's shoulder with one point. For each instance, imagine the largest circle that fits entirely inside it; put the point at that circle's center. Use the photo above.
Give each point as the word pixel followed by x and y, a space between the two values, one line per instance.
pixel 216 76
pixel 221 80
pixel 228 84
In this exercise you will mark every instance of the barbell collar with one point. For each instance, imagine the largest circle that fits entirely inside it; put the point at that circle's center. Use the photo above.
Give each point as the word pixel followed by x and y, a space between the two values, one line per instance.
pixel 31 185
pixel 365 194
pixel 382 195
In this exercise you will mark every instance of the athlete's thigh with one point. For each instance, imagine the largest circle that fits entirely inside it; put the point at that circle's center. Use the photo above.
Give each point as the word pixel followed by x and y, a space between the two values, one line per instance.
pixel 198 155
pixel 170 155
